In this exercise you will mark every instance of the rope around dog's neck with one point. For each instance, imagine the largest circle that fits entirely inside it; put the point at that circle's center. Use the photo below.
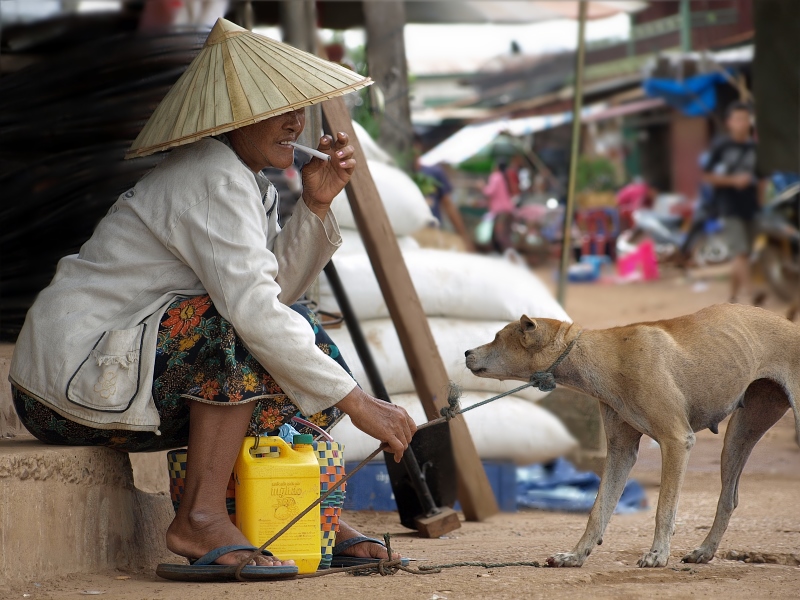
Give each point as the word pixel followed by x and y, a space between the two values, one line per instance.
pixel 544 380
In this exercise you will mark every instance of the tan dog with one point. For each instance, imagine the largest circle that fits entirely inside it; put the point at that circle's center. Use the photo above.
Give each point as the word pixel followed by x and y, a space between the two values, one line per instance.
pixel 667 379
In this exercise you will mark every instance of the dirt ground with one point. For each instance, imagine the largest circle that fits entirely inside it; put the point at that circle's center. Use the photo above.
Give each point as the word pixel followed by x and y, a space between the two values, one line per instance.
pixel 766 523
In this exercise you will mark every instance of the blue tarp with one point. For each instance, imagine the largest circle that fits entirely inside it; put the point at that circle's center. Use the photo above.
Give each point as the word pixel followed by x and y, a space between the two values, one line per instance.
pixel 695 96
pixel 559 486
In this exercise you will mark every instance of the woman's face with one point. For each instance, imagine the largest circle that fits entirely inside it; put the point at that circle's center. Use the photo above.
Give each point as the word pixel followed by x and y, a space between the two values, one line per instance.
pixel 266 143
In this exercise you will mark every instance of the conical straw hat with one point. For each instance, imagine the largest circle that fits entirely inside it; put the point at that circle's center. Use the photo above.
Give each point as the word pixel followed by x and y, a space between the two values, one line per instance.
pixel 240 78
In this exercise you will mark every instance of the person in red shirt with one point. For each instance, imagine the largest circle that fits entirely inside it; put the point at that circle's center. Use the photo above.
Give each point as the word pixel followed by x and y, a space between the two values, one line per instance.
pixel 498 192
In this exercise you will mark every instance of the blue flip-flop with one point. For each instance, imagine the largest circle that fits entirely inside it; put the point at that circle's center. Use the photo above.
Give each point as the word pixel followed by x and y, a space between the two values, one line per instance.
pixel 339 560
pixel 205 569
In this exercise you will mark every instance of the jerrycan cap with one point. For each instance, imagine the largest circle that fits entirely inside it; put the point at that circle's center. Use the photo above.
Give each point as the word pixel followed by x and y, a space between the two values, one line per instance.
pixel 303 438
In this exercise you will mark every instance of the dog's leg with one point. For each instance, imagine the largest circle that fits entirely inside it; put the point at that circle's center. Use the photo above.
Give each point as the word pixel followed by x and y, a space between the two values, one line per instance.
pixel 623 448
pixel 675 450
pixel 764 403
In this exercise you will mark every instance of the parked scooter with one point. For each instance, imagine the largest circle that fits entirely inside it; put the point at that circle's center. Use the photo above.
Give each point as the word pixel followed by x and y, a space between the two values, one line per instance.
pixel 776 254
pixel 669 233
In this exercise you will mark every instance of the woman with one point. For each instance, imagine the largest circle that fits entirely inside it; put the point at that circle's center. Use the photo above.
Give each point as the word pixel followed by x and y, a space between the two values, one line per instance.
pixel 172 325
pixel 498 192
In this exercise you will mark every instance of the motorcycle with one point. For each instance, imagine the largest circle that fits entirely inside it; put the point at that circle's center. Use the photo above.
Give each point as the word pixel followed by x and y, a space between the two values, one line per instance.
pixel 776 253
pixel 668 232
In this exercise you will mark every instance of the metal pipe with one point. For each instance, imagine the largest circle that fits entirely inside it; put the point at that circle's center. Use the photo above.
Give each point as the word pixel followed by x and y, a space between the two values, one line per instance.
pixel 356 333
pixel 686 26
pixel 577 106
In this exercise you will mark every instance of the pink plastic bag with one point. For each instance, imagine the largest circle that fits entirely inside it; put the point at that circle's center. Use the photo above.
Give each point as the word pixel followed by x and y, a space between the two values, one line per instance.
pixel 648 260
pixel 641 261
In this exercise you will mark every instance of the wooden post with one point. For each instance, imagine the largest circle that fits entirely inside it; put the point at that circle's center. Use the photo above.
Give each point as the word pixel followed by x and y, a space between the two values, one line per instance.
pixel 298 24
pixel 426 366
pixel 245 14
pixel 299 28
pixel 386 57
pixel 577 107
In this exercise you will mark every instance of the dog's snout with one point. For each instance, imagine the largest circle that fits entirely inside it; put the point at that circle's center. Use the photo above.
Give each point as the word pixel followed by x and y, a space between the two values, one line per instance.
pixel 467 353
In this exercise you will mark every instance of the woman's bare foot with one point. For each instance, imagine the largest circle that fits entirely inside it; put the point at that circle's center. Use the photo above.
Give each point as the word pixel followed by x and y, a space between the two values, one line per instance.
pixel 364 549
pixel 194 535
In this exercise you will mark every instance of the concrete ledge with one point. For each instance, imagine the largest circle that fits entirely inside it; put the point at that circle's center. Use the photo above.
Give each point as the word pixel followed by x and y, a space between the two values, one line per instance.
pixel 150 472
pixel 74 509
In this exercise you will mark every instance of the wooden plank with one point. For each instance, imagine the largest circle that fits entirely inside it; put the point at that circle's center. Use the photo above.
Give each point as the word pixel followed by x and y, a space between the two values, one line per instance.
pixel 426 366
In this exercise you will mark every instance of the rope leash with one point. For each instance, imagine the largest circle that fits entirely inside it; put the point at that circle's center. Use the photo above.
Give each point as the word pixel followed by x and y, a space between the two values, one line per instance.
pixel 432 569
pixel 390 566
pixel 544 380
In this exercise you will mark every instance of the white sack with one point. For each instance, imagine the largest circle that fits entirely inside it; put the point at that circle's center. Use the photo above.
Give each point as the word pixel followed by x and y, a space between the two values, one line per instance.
pixel 507 429
pixel 371 149
pixel 405 205
pixel 449 284
pixel 353 244
pixel 453 337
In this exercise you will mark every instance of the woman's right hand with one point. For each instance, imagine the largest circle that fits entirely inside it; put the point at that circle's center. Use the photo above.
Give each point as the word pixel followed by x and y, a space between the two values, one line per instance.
pixel 386 422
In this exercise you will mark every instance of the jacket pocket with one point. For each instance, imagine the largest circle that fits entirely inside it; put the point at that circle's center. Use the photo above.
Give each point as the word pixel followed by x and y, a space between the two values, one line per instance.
pixel 108 379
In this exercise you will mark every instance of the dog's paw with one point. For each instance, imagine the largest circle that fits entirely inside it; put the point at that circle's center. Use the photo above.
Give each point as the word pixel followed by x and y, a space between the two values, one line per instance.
pixel 698 555
pixel 565 559
pixel 654 559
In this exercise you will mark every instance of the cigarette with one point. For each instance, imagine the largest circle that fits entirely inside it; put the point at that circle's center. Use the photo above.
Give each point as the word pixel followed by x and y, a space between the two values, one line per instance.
pixel 311 151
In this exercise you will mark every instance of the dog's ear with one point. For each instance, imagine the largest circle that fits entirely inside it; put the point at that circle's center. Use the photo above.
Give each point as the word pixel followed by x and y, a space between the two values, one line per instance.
pixel 529 331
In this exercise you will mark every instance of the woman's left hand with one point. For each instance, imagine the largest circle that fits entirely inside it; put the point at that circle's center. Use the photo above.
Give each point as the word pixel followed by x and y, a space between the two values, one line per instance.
pixel 323 180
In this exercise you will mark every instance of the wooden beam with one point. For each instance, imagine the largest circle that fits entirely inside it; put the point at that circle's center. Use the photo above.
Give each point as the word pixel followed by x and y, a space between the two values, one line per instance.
pixel 426 366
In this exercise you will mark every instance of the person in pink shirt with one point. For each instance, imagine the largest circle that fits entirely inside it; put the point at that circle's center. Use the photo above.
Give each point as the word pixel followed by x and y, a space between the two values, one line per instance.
pixel 501 206
pixel 498 190
pixel 637 194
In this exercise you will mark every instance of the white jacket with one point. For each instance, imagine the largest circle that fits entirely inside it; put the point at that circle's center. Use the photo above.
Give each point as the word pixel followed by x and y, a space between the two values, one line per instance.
pixel 201 222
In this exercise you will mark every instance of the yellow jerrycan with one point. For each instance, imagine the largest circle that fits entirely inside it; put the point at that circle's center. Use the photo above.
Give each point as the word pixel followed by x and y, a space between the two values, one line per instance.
pixel 274 483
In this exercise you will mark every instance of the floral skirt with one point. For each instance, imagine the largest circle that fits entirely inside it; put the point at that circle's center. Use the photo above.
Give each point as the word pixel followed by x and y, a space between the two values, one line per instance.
pixel 199 357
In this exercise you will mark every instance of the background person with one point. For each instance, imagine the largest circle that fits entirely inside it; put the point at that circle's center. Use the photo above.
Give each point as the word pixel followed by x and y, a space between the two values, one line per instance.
pixel 737 192
pixel 438 191
pixel 498 195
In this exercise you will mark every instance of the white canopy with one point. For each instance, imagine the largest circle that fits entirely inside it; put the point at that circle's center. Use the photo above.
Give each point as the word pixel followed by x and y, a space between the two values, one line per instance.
pixel 469 140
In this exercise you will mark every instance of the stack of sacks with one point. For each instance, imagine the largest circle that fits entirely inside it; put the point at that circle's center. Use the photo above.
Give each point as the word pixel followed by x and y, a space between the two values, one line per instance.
pixel 467 299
